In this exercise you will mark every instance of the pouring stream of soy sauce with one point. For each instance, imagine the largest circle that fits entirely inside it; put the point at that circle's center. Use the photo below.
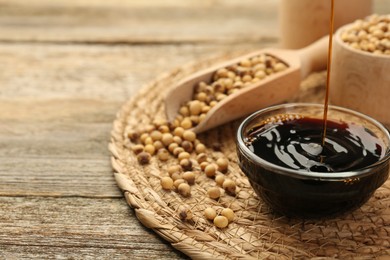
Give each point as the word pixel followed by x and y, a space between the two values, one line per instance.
pixel 326 102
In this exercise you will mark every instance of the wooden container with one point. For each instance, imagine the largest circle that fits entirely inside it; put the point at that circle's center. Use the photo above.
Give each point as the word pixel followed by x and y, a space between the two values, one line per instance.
pixel 304 21
pixel 360 80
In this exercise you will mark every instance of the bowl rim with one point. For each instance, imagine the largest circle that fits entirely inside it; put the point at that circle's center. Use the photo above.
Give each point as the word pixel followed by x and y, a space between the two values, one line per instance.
pixel 302 174
pixel 342 44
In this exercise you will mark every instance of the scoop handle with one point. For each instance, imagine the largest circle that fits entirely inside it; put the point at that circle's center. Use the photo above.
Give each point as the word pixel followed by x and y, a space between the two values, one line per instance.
pixel 314 56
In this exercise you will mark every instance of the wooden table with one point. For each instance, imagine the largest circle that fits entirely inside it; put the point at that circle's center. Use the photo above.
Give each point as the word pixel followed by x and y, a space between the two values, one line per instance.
pixel 66 67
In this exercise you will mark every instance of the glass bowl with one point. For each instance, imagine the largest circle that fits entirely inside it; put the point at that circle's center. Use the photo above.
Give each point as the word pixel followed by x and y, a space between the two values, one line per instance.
pixel 306 194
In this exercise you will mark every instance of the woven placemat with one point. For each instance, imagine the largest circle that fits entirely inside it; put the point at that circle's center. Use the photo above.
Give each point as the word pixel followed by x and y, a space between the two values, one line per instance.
pixel 256 232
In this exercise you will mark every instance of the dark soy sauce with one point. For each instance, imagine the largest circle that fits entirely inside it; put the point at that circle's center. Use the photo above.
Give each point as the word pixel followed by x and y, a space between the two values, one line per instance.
pixel 297 144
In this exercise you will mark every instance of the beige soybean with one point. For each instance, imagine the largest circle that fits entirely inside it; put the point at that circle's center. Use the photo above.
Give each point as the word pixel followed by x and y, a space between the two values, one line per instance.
pixel 229 185
pixel 172 147
pixel 203 165
pixel 133 136
pixel 189 135
pixel 221 222
pixel 195 120
pixel 200 148
pixel 228 213
pixel 163 129
pixel 222 164
pixel 167 183
pixel 214 193
pixel 143 158
pixel 202 157
pixel 156 135
pixel 177 139
pixel 205 109
pixel 173 168
pixel 138 148
pixel 186 164
pixel 167 139
pixel 176 175
pixel 186 123
pixel 158 145
pixel 143 137
pixel 279 67
pixel 148 140
pixel 219 179
pixel 149 148
pixel 184 189
pixel 185 214
pixel 187 146
pixel 177 182
pixel 183 155
pixel 184 111
pixel 177 151
pixel 178 131
pixel 189 177
pixel 163 154
pixel 210 213
pixel 195 107
pixel 202 96
pixel 210 170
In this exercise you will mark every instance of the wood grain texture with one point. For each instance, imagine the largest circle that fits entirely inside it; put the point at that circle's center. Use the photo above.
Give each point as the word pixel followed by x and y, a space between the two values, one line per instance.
pixel 158 21
pixel 137 21
pixel 76 228
pixel 49 71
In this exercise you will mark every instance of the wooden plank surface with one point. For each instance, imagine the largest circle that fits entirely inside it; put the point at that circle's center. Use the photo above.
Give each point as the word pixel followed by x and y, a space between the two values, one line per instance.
pixel 76 228
pixel 50 71
pixel 66 67
pixel 136 21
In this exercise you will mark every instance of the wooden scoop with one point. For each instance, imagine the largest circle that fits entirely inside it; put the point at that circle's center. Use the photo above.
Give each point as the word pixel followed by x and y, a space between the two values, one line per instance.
pixel 273 89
